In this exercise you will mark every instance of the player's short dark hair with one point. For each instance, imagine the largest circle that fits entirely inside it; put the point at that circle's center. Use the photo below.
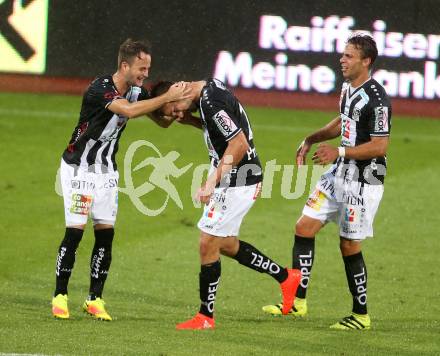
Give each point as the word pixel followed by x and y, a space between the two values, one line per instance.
pixel 366 44
pixel 160 88
pixel 131 48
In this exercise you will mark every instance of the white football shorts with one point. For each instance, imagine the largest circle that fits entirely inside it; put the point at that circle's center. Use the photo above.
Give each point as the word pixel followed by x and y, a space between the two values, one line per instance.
pixel 352 205
pixel 225 212
pixel 86 193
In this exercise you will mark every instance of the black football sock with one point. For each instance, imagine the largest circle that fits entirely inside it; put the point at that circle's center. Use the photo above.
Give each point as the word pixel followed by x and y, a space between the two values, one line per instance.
pixel 66 258
pixel 209 279
pixel 100 261
pixel 356 272
pixel 249 256
pixel 303 253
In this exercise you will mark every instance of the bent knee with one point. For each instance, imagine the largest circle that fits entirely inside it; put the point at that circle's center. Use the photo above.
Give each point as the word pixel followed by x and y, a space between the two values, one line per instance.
pixel 349 247
pixel 307 227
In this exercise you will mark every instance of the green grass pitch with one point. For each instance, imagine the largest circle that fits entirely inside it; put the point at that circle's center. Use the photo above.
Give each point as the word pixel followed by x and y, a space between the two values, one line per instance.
pixel 153 282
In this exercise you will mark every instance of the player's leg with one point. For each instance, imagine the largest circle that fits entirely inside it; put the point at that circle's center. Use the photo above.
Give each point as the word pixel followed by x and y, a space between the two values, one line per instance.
pixel 356 273
pixel 320 208
pixel 100 259
pixel 223 217
pixel 356 224
pixel 209 279
pixel 249 256
pixel 303 251
pixel 104 211
pixel 63 270
pixel 66 257
pixel 77 200
pixel 303 255
pixel 99 267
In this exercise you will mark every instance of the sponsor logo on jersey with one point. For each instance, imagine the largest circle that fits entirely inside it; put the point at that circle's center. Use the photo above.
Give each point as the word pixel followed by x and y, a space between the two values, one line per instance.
pixel 349 214
pixel 82 184
pixel 210 212
pixel 381 119
pixel 346 129
pixel 224 123
pixel 316 199
pixel 79 131
pixel 81 204
pixel 352 200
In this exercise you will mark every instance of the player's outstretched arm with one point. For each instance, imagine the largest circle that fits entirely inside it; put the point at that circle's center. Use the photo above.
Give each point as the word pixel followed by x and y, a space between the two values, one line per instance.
pixel 328 132
pixel 176 92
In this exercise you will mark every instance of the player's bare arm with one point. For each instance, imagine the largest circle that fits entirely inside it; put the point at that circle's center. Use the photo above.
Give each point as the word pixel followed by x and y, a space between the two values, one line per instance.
pixel 377 147
pixel 328 132
pixel 234 153
pixel 122 106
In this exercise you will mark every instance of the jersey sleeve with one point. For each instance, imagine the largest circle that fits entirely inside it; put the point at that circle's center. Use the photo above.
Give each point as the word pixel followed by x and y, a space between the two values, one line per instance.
pixel 226 123
pixel 217 106
pixel 380 120
pixel 101 93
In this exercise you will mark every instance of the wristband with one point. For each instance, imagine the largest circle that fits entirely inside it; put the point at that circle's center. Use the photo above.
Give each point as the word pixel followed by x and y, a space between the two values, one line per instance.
pixel 341 151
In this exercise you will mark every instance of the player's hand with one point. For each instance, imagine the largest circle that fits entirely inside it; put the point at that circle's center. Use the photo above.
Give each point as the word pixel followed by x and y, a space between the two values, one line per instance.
pixel 178 91
pixel 204 193
pixel 302 151
pixel 325 154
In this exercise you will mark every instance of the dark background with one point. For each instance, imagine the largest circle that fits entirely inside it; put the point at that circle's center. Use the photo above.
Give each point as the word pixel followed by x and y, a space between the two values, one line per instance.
pixel 186 36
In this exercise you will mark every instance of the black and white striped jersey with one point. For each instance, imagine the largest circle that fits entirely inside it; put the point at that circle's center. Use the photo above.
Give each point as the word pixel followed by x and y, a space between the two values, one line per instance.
pixel 365 111
pixel 94 141
pixel 223 117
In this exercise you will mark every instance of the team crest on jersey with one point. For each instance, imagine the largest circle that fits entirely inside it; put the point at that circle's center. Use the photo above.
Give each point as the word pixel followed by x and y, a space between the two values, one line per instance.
pixel 224 123
pixel 219 84
pixel 356 114
pixel 381 119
